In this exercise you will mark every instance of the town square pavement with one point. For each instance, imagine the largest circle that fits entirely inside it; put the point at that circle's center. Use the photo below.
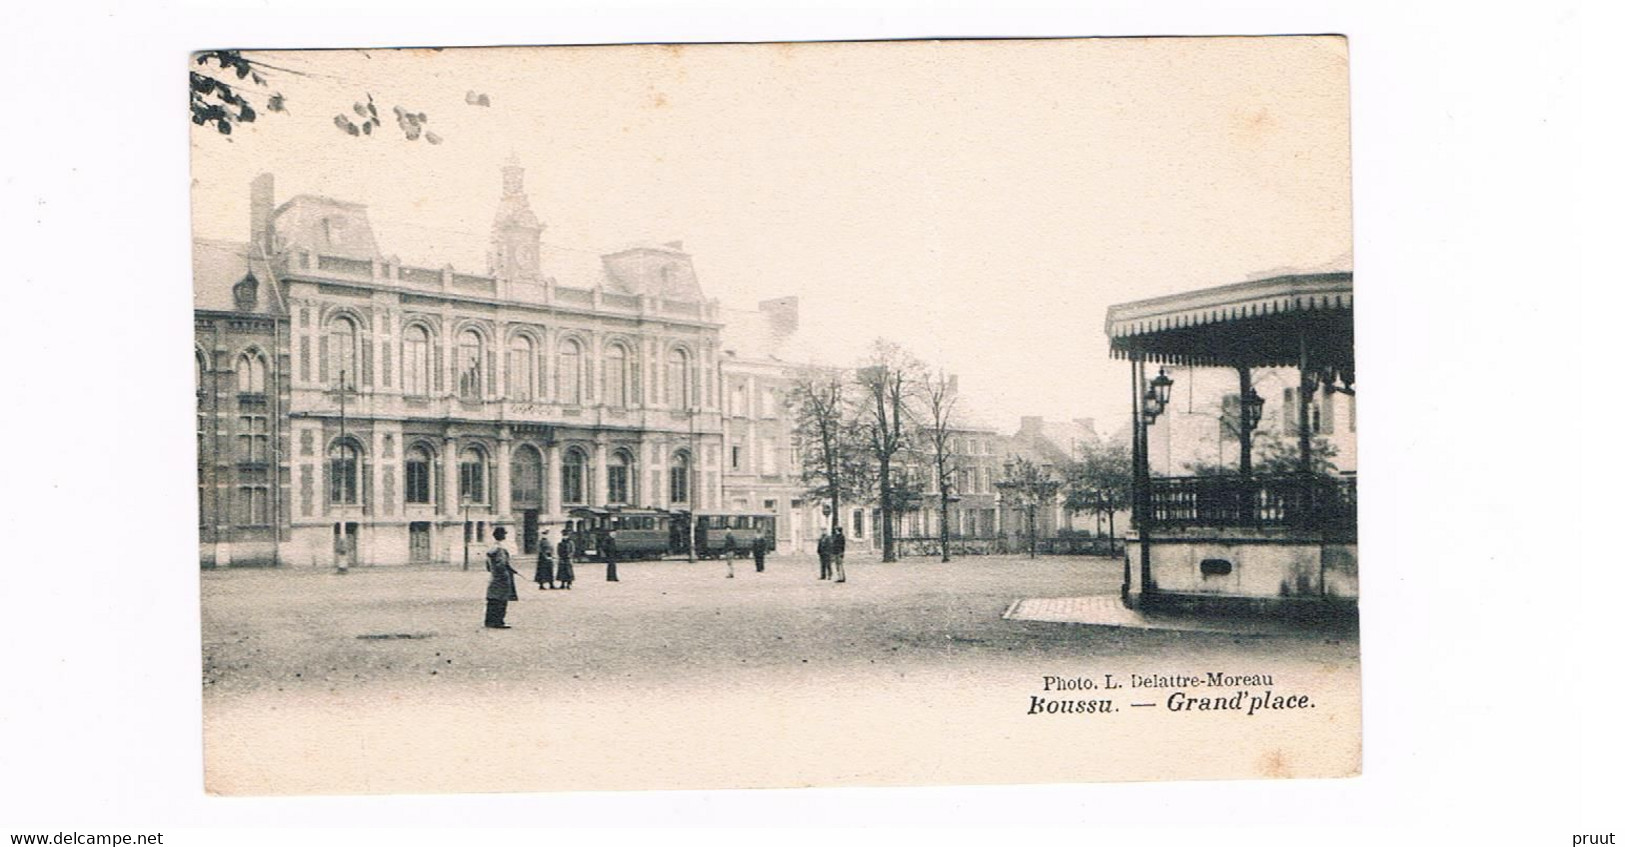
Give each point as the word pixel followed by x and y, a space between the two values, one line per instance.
pixel 384 680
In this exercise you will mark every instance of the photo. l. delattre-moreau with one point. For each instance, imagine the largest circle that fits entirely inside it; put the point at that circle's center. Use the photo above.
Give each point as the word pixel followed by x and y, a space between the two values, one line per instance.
pixel 709 416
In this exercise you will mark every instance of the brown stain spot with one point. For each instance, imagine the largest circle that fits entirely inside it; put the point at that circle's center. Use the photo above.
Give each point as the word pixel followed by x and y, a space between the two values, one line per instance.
pixel 658 100
pixel 676 50
pixel 1252 126
pixel 1274 765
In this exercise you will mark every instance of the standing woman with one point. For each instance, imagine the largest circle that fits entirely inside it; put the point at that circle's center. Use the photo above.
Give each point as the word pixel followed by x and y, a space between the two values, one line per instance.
pixel 501 588
pixel 544 562
pixel 567 571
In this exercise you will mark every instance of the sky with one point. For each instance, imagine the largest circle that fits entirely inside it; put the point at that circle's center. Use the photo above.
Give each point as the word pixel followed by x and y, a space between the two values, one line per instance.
pixel 980 203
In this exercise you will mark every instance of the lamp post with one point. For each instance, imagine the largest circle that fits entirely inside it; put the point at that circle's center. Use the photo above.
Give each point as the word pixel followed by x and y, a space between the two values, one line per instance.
pixel 351 470
pixel 1252 411
pixel 688 483
pixel 1153 400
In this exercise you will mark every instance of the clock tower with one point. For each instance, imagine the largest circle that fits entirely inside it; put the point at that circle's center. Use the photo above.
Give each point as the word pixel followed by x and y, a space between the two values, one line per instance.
pixel 516 235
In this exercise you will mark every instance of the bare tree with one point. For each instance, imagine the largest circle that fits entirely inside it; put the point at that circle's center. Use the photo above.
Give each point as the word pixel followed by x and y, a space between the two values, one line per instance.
pixel 938 395
pixel 886 383
pixel 826 429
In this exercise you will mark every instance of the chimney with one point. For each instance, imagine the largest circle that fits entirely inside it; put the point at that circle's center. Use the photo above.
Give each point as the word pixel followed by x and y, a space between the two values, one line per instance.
pixel 261 208
pixel 783 315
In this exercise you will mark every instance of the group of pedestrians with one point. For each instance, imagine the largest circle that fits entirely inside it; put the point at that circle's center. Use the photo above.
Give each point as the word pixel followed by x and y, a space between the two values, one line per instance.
pixel 560 574
pixel 549 576
pixel 758 551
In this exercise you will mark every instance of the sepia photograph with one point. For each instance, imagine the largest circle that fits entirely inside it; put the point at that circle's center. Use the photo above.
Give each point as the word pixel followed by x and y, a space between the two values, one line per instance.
pixel 755 420
pixel 775 415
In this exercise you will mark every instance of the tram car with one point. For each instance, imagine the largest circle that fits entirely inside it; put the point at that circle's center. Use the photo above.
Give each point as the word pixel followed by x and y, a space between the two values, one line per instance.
pixel 639 533
pixel 711 531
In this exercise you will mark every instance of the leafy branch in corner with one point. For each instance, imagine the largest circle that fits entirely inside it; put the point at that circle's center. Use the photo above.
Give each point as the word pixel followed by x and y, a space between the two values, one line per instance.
pixel 223 82
pixel 221 102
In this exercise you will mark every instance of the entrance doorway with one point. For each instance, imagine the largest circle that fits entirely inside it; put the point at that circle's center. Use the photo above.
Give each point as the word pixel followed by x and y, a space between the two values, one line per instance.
pixel 531 523
pixel 418 541
pixel 346 538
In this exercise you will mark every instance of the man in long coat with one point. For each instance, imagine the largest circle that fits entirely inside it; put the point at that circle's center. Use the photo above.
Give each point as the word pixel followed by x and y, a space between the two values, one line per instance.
pixel 758 551
pixel 567 571
pixel 544 562
pixel 607 549
pixel 823 555
pixel 501 588
pixel 837 551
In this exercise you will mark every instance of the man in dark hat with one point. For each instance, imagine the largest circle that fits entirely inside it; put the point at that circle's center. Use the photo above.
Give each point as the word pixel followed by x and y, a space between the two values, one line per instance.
pixel 758 551
pixel 823 556
pixel 544 562
pixel 501 587
pixel 567 570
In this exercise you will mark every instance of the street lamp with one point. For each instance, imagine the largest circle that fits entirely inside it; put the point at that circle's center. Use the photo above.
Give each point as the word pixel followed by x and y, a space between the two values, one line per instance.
pixel 1252 409
pixel 1156 396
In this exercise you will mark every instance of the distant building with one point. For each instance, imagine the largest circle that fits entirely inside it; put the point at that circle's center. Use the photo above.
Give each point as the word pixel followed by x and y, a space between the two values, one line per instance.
pixel 761 462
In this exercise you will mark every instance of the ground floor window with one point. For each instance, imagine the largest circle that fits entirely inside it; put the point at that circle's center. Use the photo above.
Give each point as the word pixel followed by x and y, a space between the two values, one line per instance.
pixel 256 505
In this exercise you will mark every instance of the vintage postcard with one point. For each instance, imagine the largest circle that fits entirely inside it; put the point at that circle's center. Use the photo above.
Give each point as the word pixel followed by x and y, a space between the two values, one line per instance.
pixel 775 415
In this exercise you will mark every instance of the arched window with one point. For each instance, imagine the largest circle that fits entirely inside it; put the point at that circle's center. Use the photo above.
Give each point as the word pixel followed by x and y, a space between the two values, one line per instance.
pixel 570 372
pixel 521 377
pixel 615 381
pixel 527 477
pixel 419 475
pixel 679 478
pixel 344 473
pixel 620 477
pixel 470 354
pixel 678 392
pixel 201 367
pixel 415 362
pixel 343 339
pixel 471 474
pixel 573 477
pixel 250 374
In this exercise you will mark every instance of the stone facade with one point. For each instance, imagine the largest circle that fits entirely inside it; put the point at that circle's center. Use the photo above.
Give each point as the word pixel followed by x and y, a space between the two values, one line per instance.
pixel 422 407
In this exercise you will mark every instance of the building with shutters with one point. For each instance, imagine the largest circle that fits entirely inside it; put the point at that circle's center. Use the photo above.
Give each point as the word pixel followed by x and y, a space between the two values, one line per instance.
pixel 424 406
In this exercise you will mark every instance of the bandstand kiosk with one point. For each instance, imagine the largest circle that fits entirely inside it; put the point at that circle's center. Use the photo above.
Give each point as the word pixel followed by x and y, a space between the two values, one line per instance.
pixel 1242 542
